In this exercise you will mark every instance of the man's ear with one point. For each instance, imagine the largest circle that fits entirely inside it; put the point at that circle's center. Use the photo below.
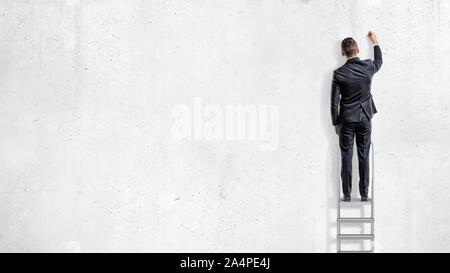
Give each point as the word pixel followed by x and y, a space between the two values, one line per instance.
pixel 357 50
pixel 343 53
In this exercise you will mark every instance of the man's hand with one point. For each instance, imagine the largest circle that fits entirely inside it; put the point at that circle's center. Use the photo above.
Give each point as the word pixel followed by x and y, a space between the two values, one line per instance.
pixel 336 129
pixel 372 37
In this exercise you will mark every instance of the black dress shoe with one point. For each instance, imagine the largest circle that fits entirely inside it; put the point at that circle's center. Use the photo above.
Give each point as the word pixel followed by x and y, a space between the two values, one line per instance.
pixel 347 199
pixel 364 198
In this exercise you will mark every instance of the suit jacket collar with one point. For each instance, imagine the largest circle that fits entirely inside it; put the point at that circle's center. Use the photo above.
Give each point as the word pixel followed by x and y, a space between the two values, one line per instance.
pixel 353 60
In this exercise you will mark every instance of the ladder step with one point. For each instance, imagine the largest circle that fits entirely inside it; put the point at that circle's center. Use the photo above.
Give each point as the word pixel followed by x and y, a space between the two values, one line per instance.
pixel 355 219
pixel 355 251
pixel 356 200
pixel 356 236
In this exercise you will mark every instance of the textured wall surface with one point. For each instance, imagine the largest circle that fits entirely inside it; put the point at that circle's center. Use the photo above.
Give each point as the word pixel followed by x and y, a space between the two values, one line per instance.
pixel 87 96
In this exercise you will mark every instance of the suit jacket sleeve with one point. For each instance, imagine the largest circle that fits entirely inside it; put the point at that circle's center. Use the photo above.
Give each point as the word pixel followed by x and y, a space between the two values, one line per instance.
pixel 378 58
pixel 335 97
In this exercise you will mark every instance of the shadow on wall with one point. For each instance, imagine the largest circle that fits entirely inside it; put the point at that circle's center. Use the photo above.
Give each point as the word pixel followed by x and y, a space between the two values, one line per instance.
pixel 332 153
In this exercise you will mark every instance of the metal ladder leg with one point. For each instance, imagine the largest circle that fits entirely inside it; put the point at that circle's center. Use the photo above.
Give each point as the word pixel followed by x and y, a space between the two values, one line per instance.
pixel 370 219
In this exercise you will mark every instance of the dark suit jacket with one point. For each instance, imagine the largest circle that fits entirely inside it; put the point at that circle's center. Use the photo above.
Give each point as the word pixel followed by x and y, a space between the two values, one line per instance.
pixel 350 89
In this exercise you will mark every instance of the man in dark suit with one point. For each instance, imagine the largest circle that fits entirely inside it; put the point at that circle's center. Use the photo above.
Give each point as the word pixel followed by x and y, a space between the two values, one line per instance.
pixel 352 108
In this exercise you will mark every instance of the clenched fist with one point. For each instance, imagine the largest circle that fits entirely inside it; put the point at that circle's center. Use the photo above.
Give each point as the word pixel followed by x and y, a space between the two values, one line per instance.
pixel 372 37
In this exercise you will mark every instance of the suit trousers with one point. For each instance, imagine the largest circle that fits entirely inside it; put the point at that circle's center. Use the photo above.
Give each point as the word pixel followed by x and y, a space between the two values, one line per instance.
pixel 347 132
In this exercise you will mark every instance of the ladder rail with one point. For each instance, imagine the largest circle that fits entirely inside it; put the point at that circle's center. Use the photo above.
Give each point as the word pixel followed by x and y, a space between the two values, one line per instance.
pixel 372 226
pixel 372 204
pixel 338 228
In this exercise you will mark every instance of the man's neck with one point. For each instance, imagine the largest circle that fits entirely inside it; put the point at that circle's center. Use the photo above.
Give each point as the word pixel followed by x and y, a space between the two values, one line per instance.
pixel 352 57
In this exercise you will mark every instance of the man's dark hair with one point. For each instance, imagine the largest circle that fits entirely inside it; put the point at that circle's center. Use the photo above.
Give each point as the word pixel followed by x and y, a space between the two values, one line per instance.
pixel 349 46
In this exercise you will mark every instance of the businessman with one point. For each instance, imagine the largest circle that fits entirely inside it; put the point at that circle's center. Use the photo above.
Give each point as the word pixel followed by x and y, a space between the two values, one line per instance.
pixel 352 109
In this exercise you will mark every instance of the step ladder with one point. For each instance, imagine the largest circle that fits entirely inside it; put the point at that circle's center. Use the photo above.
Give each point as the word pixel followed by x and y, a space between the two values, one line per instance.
pixel 362 220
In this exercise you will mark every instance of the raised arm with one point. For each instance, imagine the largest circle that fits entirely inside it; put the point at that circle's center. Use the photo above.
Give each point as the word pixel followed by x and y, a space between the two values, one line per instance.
pixel 378 58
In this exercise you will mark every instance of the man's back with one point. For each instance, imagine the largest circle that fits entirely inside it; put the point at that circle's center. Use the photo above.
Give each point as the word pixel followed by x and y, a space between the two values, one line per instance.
pixel 351 88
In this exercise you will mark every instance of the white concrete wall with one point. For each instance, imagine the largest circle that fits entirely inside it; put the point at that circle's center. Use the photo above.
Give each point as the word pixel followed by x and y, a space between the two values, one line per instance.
pixel 88 161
